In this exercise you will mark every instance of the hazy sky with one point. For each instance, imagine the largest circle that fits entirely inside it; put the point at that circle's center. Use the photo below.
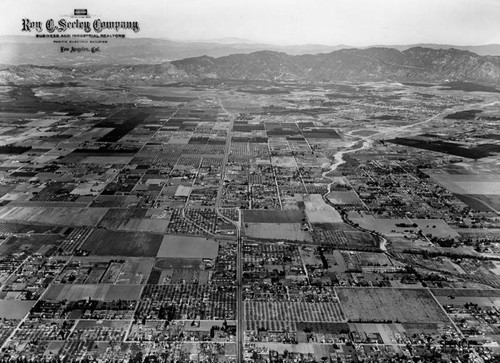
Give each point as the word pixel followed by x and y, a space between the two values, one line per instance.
pixel 352 22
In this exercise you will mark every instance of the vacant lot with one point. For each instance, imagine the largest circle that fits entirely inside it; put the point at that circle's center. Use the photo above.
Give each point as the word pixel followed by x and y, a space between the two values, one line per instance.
pixel 360 239
pixel 178 263
pixel 283 161
pixel 347 197
pixel 14 309
pixel 188 247
pixel 318 211
pixel 113 243
pixel 396 305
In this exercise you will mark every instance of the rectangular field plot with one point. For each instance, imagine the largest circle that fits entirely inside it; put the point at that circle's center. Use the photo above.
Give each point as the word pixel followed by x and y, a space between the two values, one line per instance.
pixel 188 247
pixel 285 231
pixel 395 305
pixel 95 292
pixel 14 309
pixel 466 293
pixel 273 216
pixel 459 297
pixel 103 160
pixel 113 243
pixel 479 191
pixel 293 311
pixel 487 184
pixel 463 300
pixel 57 215
pixel 137 224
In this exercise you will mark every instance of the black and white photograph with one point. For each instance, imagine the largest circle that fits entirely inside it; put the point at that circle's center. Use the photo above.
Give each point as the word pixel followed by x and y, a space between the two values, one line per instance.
pixel 250 181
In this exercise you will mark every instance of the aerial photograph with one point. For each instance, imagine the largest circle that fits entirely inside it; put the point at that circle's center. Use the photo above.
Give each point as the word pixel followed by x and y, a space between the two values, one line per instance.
pixel 268 181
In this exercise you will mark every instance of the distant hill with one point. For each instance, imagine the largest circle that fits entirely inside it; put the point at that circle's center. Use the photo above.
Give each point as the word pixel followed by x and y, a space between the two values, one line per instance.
pixel 416 64
pixel 146 74
pixel 488 49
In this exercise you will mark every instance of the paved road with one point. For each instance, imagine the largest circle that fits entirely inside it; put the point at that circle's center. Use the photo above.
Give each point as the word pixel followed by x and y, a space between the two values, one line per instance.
pixel 227 148
pixel 239 248
pixel 239 297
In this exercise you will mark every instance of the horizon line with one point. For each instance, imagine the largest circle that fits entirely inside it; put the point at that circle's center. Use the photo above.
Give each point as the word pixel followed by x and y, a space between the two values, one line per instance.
pixel 256 42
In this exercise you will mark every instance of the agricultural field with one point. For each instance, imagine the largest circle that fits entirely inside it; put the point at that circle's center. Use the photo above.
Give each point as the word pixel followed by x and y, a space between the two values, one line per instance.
pixel 481 192
pixel 390 305
pixel 487 184
pixel 273 216
pixel 187 247
pixel 145 225
pixel 283 231
pixel 94 292
pixel 113 243
pixel 53 216
pixel 293 311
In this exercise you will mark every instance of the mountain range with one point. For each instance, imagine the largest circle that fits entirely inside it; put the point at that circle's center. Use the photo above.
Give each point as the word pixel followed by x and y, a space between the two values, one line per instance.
pixel 24 49
pixel 16 50
pixel 415 64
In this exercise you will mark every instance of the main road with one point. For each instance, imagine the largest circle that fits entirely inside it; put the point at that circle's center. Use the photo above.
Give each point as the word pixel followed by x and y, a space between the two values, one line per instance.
pixel 239 242
pixel 227 149
pixel 239 294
